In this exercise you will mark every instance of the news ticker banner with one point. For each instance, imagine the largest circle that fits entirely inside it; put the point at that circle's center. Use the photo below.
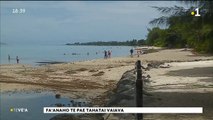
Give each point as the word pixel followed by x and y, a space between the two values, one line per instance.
pixel 188 110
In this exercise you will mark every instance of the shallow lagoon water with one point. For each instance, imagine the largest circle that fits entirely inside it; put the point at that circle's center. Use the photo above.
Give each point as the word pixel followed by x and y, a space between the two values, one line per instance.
pixel 34 103
pixel 31 54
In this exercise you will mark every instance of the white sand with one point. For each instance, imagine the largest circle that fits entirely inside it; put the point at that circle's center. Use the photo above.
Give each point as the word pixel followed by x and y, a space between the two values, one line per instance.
pixel 99 75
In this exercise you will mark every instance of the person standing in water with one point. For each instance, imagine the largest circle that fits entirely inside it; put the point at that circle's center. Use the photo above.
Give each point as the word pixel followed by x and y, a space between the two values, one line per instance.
pixel 131 52
pixel 105 54
pixel 17 59
pixel 109 54
pixel 9 58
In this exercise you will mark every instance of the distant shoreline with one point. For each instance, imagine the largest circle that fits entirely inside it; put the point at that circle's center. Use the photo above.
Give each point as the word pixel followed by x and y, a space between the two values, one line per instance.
pixel 133 42
pixel 72 44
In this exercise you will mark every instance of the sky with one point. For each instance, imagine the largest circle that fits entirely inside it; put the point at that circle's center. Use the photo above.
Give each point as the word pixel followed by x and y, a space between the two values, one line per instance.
pixel 63 22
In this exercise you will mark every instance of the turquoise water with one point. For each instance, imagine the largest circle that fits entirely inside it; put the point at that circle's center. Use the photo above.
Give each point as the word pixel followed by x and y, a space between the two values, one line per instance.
pixel 30 54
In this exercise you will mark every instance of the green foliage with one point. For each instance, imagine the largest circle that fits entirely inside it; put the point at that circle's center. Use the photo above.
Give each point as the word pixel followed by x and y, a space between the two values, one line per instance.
pixel 133 42
pixel 183 28
pixel 141 42
pixel 156 37
pixel 165 38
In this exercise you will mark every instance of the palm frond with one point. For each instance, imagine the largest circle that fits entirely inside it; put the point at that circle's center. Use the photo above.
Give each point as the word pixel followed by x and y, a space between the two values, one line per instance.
pixel 176 10
pixel 160 21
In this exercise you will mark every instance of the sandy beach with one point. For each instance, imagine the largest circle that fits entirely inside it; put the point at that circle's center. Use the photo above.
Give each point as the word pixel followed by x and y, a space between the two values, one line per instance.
pixel 91 80
pixel 183 84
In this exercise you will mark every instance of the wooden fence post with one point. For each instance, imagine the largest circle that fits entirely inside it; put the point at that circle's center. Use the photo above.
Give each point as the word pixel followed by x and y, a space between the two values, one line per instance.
pixel 139 89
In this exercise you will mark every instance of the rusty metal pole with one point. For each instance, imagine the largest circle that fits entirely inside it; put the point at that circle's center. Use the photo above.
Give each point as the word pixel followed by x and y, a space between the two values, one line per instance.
pixel 139 89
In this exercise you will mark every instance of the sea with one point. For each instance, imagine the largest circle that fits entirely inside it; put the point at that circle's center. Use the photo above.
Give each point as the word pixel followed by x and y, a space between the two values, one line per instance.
pixel 35 54
pixel 29 105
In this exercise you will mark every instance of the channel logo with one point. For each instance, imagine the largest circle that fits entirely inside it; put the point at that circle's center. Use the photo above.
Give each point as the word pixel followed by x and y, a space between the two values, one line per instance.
pixel 18 110
pixel 196 12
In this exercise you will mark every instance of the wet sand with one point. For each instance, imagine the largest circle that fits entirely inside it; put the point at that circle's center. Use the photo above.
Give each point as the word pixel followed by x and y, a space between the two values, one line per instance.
pixel 91 80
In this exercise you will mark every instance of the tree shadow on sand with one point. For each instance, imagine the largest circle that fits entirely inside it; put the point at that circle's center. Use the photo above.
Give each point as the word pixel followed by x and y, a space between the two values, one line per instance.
pixel 184 99
pixel 177 99
pixel 194 72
